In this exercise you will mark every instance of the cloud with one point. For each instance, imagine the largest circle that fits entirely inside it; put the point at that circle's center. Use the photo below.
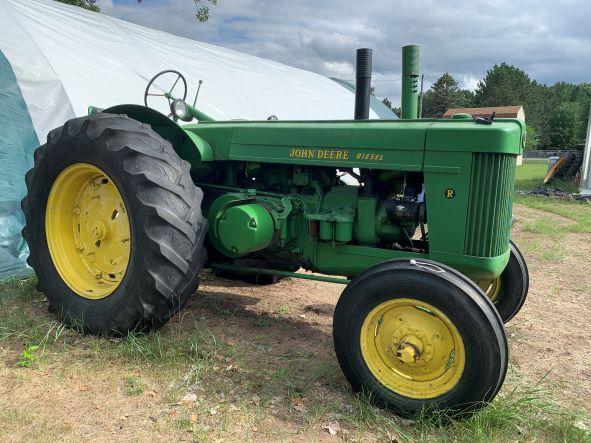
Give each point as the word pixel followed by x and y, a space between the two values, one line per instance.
pixel 549 40
pixel 469 82
pixel 105 5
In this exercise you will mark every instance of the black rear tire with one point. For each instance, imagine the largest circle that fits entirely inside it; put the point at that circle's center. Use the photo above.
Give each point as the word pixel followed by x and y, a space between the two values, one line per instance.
pixel 483 336
pixel 167 228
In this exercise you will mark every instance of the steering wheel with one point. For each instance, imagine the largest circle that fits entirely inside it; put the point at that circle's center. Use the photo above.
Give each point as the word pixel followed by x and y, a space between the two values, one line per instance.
pixel 166 94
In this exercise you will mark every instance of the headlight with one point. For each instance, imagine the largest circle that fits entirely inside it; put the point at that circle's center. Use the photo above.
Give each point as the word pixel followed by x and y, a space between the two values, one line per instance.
pixel 180 110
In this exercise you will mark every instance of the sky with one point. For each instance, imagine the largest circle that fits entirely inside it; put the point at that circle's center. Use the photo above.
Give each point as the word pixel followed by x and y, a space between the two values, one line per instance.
pixel 550 40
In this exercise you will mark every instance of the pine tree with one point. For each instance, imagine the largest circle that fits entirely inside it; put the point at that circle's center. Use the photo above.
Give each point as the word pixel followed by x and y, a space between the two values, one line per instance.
pixel 86 4
pixel 444 94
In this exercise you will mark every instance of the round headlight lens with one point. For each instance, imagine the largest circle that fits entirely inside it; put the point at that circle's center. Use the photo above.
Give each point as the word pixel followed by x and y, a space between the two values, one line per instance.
pixel 180 110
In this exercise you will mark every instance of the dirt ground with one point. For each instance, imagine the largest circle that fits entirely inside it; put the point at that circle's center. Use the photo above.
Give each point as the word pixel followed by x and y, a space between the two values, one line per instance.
pixel 278 378
pixel 551 335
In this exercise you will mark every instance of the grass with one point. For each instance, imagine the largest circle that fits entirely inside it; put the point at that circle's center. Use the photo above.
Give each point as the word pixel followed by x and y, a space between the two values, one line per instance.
pixel 576 215
pixel 517 414
pixel 133 386
pixel 554 218
pixel 28 356
pixel 562 216
pixel 238 382
pixel 16 321
pixel 531 173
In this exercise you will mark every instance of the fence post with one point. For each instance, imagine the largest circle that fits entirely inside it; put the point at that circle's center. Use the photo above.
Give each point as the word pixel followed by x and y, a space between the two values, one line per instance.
pixel 585 184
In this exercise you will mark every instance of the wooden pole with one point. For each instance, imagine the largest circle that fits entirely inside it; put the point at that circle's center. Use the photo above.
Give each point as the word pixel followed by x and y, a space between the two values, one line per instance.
pixel 585 184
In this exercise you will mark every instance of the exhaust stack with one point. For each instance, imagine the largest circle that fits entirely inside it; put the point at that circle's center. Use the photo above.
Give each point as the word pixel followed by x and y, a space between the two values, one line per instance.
pixel 363 83
pixel 410 82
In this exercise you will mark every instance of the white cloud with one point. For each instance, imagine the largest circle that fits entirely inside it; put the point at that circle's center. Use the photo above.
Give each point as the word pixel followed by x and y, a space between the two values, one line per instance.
pixel 338 69
pixel 549 40
pixel 105 5
pixel 469 82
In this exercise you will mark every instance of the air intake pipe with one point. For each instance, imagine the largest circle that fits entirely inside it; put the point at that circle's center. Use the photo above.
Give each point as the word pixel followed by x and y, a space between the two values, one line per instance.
pixel 363 83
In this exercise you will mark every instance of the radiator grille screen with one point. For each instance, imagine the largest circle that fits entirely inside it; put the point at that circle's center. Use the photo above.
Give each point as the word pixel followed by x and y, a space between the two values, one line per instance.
pixel 490 204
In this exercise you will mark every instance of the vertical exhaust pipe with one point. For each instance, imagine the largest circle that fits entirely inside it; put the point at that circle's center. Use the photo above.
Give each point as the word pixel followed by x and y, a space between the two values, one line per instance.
pixel 363 83
pixel 410 82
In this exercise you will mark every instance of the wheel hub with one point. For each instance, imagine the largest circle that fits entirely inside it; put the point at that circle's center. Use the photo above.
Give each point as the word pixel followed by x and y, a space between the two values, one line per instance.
pixel 412 348
pixel 407 351
pixel 88 231
pixel 99 230
pixel 412 341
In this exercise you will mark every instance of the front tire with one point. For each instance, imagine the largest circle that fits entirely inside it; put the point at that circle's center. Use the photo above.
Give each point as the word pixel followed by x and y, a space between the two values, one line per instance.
pixel 418 335
pixel 509 291
pixel 114 225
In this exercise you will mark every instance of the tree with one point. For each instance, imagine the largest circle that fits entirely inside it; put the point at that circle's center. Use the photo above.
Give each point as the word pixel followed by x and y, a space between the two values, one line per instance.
pixel 443 95
pixel 532 139
pixel 466 98
pixel 203 9
pixel 395 109
pixel 564 125
pixel 564 95
pixel 86 4
pixel 202 14
pixel 503 85
pixel 507 85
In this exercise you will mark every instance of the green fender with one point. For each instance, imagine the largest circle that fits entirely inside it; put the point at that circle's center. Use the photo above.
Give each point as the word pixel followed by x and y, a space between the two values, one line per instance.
pixel 188 146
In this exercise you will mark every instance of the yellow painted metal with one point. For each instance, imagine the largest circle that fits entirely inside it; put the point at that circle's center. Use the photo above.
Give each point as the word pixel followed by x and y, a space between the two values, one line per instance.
pixel 88 231
pixel 491 288
pixel 412 348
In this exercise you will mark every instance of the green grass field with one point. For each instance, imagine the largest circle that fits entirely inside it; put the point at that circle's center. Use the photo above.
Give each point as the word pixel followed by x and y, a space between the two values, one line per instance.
pixel 530 174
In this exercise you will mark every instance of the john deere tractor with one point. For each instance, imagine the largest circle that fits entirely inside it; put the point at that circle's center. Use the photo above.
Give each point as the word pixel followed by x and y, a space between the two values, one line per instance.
pixel 125 207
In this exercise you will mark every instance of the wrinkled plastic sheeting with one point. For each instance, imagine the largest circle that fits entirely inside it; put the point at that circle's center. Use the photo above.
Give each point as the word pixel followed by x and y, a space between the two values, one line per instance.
pixel 102 61
pixel 17 143
pixel 13 249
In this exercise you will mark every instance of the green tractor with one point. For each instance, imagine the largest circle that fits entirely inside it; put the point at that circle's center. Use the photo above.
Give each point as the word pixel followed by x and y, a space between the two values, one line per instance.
pixel 125 207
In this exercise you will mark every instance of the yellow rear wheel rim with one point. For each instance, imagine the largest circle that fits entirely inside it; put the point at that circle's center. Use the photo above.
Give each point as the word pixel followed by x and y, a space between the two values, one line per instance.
pixel 412 348
pixel 88 231
pixel 492 288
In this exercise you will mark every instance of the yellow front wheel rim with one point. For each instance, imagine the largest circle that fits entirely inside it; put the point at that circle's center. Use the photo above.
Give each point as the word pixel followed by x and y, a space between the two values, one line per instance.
pixel 88 231
pixel 492 288
pixel 412 348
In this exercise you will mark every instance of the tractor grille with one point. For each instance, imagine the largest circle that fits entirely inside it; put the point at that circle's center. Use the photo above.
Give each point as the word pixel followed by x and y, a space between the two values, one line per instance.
pixel 490 208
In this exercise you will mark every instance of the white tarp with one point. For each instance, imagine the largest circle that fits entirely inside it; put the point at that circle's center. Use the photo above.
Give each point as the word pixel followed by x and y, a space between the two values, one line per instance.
pixel 56 60
pixel 66 58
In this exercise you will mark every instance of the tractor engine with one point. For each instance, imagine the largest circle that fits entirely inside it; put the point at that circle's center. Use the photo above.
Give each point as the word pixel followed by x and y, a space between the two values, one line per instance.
pixel 285 206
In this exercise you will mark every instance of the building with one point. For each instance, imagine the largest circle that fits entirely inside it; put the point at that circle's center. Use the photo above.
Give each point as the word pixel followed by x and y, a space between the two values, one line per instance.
pixel 500 112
